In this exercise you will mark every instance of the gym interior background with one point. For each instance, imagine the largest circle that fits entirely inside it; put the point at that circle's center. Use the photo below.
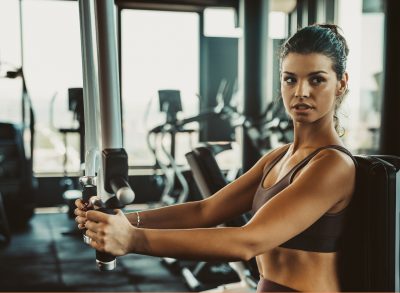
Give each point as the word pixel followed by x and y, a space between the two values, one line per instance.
pixel 200 56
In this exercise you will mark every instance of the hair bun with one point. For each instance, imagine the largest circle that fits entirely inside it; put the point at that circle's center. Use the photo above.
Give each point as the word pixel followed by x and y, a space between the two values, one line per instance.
pixel 332 27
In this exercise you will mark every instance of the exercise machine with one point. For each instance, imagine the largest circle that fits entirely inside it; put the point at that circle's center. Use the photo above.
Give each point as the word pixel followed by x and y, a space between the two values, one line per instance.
pixel 17 183
pixel 170 103
pixel 106 173
pixel 369 254
pixel 209 179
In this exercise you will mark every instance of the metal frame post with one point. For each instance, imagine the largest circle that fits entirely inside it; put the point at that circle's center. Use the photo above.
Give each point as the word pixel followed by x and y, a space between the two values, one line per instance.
pixel 108 178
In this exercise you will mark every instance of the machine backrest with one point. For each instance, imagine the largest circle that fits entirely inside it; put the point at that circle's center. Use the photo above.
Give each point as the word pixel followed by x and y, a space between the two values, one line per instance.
pixel 369 259
pixel 206 172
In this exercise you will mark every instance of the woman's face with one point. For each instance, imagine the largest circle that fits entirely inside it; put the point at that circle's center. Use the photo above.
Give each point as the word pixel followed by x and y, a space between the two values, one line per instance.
pixel 309 86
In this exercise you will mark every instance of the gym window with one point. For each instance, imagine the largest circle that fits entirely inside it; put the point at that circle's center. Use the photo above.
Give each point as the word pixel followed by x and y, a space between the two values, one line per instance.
pixel 159 50
pixel 363 26
pixel 10 58
pixel 52 64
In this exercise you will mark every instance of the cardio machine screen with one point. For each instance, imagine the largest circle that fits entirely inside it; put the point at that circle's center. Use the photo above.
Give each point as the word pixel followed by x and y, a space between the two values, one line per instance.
pixel 170 101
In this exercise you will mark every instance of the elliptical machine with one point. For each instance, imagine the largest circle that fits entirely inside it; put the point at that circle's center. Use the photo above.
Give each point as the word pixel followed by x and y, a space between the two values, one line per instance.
pixel 171 105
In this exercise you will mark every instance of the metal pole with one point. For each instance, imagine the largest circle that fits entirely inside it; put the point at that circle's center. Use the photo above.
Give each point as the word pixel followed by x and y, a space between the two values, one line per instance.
pixel 90 104
pixel 108 75
pixel 104 105
pixel 90 90
pixel 110 107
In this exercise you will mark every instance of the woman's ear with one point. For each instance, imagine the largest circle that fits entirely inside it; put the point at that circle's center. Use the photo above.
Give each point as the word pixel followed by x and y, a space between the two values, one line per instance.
pixel 342 85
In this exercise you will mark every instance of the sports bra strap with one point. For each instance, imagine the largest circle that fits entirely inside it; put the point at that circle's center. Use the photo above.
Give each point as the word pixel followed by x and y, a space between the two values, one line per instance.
pixel 307 159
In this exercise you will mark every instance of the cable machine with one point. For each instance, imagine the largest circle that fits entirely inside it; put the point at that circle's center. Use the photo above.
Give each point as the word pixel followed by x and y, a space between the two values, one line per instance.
pixel 106 173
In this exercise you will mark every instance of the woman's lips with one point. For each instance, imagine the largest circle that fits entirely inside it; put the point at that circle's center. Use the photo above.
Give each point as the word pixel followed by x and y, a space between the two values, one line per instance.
pixel 302 108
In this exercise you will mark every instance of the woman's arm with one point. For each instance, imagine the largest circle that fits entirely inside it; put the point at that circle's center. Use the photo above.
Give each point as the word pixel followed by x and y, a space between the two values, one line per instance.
pixel 326 180
pixel 115 235
pixel 209 212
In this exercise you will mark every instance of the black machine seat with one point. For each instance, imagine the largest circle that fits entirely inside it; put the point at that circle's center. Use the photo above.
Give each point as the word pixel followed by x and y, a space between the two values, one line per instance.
pixel 369 259
pixel 205 169
pixel 369 256
pixel 16 179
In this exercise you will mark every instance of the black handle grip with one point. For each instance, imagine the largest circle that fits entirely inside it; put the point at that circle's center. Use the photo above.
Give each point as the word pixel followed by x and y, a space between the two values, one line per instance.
pixel 88 192
pixel 105 261
pixel 104 257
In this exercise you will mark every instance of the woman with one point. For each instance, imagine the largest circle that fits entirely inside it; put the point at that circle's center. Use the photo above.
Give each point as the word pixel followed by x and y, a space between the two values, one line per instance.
pixel 298 193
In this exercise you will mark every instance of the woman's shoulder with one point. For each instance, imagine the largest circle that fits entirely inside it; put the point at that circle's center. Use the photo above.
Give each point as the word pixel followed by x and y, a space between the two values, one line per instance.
pixel 338 157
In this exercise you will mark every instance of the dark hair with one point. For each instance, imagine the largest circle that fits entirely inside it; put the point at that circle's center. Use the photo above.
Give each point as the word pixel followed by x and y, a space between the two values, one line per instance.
pixel 324 39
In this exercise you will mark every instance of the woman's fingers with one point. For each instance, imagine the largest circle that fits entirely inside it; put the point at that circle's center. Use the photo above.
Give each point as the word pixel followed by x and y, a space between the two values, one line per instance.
pixel 95 227
pixel 80 204
pixel 80 213
pixel 80 220
pixel 80 217
pixel 107 232
pixel 97 216
pixel 96 245
pixel 94 236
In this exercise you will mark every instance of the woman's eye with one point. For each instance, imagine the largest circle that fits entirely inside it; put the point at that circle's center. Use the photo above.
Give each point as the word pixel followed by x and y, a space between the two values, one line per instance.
pixel 317 80
pixel 289 80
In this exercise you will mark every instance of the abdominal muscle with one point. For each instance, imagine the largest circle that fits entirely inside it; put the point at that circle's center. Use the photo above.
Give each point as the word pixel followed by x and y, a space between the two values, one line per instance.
pixel 300 270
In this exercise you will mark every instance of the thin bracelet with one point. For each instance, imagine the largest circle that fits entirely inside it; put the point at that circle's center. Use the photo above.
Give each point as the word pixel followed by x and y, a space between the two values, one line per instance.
pixel 137 219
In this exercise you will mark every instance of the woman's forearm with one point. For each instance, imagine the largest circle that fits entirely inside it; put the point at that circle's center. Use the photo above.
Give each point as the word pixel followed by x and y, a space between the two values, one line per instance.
pixel 180 216
pixel 216 244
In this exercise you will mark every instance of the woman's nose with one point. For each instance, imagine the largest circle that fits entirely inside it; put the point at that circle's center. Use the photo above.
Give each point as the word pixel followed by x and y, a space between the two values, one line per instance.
pixel 302 90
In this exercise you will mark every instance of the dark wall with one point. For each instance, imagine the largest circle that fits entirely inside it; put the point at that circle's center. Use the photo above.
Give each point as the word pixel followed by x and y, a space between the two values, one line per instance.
pixel 254 20
pixel 218 61
pixel 390 118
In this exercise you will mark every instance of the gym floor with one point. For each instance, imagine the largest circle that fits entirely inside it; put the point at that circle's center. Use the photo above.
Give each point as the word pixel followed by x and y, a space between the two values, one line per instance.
pixel 51 256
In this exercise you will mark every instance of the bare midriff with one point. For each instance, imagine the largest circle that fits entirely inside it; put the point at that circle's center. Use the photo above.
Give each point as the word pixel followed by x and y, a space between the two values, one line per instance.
pixel 300 270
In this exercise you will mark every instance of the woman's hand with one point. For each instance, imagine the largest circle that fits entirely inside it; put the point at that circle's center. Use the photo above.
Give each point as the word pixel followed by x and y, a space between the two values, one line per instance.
pixel 113 234
pixel 81 210
pixel 80 213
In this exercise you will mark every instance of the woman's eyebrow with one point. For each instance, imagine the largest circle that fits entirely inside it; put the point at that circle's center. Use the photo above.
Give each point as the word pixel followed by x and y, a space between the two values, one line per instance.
pixel 310 74
pixel 317 72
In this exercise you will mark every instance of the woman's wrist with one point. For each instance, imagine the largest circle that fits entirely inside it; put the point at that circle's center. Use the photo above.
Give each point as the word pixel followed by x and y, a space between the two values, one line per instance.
pixel 136 219
pixel 136 240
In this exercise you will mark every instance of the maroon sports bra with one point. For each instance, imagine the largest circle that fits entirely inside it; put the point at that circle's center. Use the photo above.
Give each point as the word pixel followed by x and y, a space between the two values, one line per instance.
pixel 323 235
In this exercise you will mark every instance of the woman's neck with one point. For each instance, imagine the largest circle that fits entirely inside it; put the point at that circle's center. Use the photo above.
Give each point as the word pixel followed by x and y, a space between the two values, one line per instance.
pixel 314 135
